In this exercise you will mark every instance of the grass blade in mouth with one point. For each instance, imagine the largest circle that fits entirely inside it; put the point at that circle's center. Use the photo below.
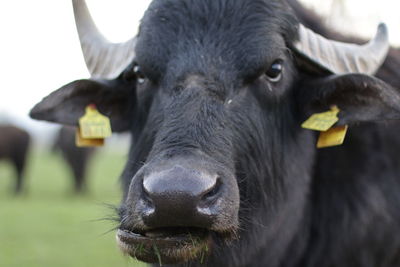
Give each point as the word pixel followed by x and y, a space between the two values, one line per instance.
pixel 157 252
pixel 203 252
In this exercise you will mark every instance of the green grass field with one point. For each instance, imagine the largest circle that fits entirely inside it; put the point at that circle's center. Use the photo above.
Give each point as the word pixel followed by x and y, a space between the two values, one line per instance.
pixel 50 226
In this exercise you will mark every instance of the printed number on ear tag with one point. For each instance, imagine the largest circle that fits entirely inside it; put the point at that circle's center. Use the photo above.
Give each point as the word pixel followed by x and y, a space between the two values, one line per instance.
pixel 322 121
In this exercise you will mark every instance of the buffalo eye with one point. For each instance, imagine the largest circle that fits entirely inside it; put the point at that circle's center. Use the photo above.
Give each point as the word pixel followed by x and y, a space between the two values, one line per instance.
pixel 139 74
pixel 134 73
pixel 274 73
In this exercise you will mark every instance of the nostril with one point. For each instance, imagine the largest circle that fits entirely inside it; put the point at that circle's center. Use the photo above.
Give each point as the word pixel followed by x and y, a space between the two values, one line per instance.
pixel 212 193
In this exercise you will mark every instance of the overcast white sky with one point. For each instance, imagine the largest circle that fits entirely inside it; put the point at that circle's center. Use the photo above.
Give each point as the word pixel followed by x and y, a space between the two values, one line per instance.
pixel 40 49
pixel 361 16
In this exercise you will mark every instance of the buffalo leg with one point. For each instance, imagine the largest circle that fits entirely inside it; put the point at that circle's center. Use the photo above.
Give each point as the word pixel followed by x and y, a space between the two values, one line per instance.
pixel 79 176
pixel 19 168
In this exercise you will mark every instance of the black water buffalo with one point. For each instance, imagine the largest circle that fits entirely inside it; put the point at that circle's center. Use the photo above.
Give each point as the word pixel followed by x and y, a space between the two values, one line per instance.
pixel 220 172
pixel 77 158
pixel 14 146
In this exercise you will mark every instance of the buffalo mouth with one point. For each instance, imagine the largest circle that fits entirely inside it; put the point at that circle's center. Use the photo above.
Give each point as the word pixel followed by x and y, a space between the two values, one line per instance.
pixel 165 245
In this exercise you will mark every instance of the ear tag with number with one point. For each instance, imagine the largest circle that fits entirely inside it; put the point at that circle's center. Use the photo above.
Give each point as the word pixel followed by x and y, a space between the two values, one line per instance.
pixel 323 122
pixel 93 128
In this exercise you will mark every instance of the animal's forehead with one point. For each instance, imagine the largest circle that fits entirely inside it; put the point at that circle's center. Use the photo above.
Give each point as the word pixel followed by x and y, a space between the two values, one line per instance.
pixel 241 34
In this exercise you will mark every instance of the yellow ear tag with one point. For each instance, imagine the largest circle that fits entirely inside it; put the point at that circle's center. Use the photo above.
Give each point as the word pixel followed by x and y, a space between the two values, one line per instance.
pixel 322 121
pixel 332 137
pixel 86 142
pixel 93 128
pixel 93 124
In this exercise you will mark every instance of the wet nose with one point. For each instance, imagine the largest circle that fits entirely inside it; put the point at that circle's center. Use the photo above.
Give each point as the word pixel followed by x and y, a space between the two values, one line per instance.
pixel 181 196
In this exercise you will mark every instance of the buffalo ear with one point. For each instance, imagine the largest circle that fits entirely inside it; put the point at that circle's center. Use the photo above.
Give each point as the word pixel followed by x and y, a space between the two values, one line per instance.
pixel 359 98
pixel 113 98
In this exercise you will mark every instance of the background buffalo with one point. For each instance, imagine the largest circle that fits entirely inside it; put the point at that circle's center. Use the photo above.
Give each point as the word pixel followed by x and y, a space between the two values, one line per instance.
pixel 14 146
pixel 76 158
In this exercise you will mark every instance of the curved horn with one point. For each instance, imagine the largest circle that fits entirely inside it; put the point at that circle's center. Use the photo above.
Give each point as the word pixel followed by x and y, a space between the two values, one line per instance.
pixel 103 58
pixel 339 58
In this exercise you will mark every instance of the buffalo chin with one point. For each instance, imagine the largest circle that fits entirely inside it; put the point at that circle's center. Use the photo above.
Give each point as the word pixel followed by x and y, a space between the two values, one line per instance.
pixel 166 245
